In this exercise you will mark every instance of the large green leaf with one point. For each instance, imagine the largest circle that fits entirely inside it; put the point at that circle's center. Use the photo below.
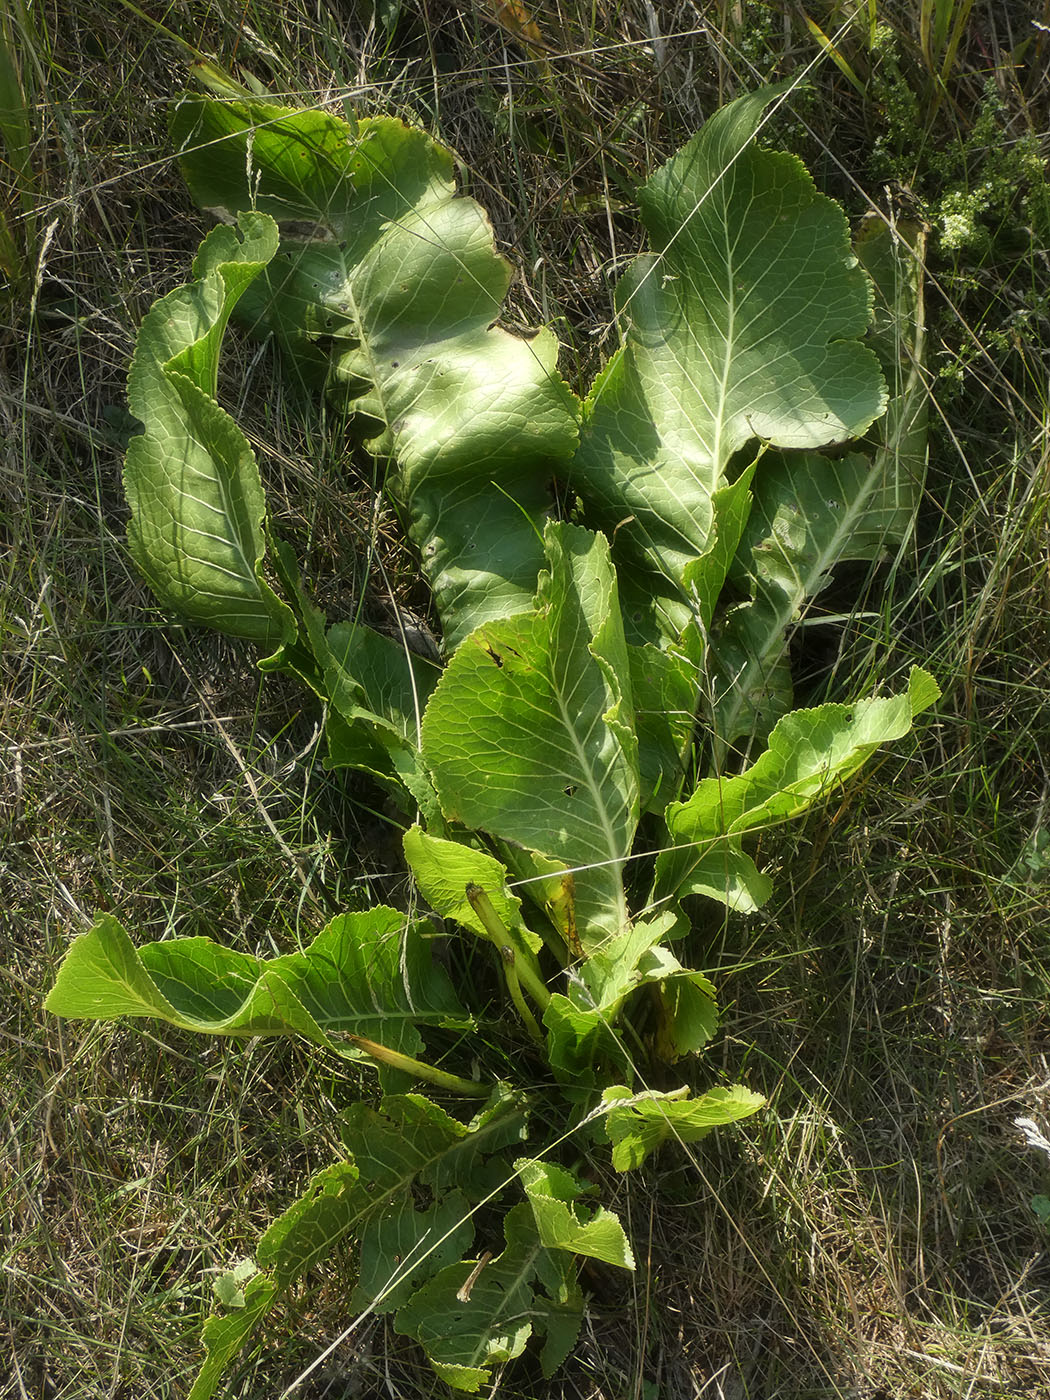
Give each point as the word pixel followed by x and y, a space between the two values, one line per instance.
pixel 810 752
pixel 529 735
pixel 480 1313
pixel 369 974
pixel 741 325
pixel 812 513
pixel 197 506
pixel 379 255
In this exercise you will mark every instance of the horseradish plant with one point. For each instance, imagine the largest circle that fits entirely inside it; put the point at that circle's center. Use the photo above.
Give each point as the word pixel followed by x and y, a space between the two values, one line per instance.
pixel 606 670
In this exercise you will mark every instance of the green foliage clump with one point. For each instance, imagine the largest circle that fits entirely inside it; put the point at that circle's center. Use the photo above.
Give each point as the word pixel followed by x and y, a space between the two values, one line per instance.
pixel 606 674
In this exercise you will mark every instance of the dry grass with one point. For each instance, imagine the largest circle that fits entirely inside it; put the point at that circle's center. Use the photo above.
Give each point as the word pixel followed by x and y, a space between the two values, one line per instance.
pixel 871 1237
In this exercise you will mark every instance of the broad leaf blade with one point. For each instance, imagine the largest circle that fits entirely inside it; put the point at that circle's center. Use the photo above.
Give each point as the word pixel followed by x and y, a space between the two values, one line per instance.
pixel 443 870
pixel 381 255
pixel 810 752
pixel 411 1147
pixel 197 507
pixel 529 735
pixel 743 324
pixel 403 1246
pixel 684 1000
pixel 612 971
pixel 638 1124
pixel 812 513
pixel 368 974
pixel 405 1145
pixel 479 1314
pixel 410 1138
pixel 375 676
pixel 306 1233
pixel 553 1193
pixel 372 974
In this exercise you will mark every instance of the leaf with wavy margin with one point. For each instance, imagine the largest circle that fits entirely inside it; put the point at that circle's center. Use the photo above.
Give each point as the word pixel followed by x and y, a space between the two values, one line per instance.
pixel 369 974
pixel 192 481
pixel 810 753
pixel 406 1144
pixel 743 324
pixel 382 259
pixel 553 1193
pixel 812 513
pixel 638 1124
pixel 480 1313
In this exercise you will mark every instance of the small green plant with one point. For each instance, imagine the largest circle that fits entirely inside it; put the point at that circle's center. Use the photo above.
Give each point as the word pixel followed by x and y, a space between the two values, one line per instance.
pixel 579 764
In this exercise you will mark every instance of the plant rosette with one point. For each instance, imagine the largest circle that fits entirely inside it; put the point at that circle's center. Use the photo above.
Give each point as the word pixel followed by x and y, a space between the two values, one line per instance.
pixel 605 679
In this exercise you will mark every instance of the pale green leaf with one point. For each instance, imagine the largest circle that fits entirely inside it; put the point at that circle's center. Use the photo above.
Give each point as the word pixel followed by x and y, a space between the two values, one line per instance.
pixel 409 1137
pixel 689 1012
pixel 638 1124
pixel 331 1208
pixel 810 753
pixel 380 255
pixel 529 734
pixel 580 1040
pixel 721 871
pixel 229 1286
pixel 685 999
pixel 197 506
pixel 742 324
pixel 367 973
pixel 611 972
pixel 553 1193
pixel 703 577
pixel 813 513
pixel 443 870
